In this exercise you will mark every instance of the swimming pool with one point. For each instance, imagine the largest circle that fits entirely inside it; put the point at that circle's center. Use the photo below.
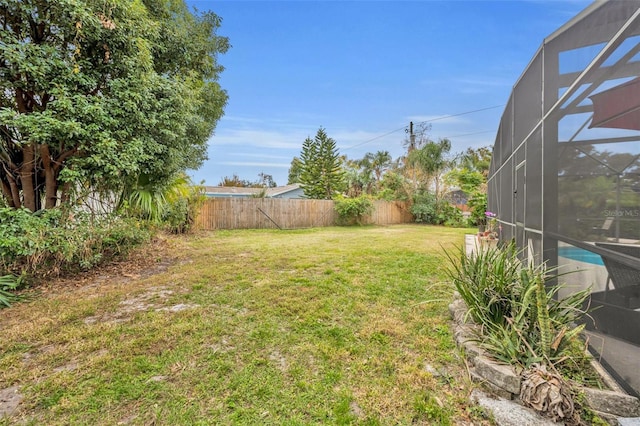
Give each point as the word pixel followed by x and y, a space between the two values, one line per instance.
pixel 580 255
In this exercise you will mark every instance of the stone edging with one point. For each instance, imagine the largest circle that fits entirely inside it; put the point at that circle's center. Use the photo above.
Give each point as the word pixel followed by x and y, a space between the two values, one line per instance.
pixel 504 382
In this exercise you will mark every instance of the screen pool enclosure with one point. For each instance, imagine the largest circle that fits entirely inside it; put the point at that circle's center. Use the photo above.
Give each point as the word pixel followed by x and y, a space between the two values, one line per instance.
pixel 565 175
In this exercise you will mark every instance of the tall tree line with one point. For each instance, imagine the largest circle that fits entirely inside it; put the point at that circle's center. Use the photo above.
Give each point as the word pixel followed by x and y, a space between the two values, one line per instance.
pixel 103 95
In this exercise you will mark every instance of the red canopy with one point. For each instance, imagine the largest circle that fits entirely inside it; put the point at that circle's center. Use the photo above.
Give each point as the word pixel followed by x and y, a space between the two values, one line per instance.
pixel 618 107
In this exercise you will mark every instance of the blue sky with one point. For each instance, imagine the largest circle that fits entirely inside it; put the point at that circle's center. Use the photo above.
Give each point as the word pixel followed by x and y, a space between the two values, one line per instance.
pixel 364 69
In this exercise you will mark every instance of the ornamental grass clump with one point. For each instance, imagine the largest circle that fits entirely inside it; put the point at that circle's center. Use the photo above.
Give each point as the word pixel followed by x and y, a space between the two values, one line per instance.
pixel 487 281
pixel 521 322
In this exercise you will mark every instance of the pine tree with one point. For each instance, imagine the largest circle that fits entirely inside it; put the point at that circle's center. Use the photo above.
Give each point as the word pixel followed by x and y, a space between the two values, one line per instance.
pixel 322 175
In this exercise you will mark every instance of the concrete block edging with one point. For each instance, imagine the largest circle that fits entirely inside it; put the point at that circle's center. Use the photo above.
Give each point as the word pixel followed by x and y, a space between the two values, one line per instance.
pixel 504 381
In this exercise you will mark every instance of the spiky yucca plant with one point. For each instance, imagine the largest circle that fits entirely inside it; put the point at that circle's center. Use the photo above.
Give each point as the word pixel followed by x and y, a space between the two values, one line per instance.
pixel 520 321
pixel 522 324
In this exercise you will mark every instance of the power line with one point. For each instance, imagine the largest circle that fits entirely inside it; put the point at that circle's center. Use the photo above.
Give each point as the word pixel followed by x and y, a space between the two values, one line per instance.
pixel 470 134
pixel 429 121
pixel 373 139
pixel 462 113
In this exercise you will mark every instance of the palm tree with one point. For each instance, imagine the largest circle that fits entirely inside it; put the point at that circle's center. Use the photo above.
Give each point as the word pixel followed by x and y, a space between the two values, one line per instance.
pixel 149 200
pixel 380 163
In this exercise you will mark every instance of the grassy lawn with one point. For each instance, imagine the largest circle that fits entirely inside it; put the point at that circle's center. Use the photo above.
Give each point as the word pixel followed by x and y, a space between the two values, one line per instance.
pixel 318 326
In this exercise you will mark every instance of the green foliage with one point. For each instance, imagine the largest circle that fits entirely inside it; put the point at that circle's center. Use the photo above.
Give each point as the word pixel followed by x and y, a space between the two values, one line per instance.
pixel 521 323
pixel 430 161
pixel 294 171
pixel 353 210
pixel 143 199
pixel 321 176
pixel 392 187
pixel 174 204
pixel 477 160
pixel 95 96
pixel 378 163
pixel 265 181
pixel 470 176
pixel 431 158
pixel 50 242
pixel 478 204
pixel 426 208
pixel 234 181
pixel 155 202
pixel 181 212
pixel 8 285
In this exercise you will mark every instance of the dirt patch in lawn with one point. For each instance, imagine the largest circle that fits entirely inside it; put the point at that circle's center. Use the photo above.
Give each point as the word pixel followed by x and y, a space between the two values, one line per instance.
pixel 143 262
pixel 152 259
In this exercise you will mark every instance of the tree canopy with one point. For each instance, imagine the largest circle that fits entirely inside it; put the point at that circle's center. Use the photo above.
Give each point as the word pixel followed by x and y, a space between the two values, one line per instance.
pixel 103 95
pixel 265 181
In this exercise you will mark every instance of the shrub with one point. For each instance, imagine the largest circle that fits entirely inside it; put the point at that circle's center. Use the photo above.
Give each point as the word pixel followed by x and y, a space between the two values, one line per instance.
pixel 478 205
pixel 353 210
pixel 48 242
pixel 426 208
pixel 180 213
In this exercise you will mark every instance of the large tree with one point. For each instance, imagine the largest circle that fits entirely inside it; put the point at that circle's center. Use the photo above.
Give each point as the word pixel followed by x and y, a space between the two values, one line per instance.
pixel 103 95
pixel 431 160
pixel 470 175
pixel 322 176
pixel 380 163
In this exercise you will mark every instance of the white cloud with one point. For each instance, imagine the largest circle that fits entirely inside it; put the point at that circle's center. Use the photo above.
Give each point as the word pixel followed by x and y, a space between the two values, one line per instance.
pixel 258 138
pixel 255 164
pixel 255 155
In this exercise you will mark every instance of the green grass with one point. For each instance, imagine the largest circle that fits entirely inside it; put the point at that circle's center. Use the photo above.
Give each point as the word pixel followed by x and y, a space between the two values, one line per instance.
pixel 318 326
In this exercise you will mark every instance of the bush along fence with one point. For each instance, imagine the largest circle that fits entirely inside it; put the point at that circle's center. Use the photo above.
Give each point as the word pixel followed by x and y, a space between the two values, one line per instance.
pixel 279 213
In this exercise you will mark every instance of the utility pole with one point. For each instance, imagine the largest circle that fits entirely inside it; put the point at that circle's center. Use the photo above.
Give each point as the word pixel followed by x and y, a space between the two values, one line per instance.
pixel 412 137
pixel 412 146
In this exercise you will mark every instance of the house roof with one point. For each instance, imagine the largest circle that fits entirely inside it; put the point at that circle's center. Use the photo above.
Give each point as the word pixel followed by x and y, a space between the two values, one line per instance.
pixel 279 190
pixel 232 190
pixel 243 191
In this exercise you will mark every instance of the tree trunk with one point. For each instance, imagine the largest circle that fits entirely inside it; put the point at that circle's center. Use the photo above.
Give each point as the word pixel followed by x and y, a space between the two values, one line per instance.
pixel 50 181
pixel 6 192
pixel 15 191
pixel 26 176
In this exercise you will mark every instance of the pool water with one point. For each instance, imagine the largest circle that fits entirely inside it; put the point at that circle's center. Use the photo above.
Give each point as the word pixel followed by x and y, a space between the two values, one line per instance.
pixel 580 255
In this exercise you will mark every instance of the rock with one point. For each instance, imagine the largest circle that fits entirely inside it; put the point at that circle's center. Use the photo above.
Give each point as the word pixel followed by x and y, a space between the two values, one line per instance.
pixel 610 402
pixel 471 351
pixel 458 311
pixel 629 421
pixel 509 413
pixel 500 375
pixel 495 390
pixel 432 370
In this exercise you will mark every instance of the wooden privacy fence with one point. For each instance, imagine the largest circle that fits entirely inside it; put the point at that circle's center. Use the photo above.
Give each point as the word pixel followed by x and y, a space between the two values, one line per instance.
pixel 259 213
